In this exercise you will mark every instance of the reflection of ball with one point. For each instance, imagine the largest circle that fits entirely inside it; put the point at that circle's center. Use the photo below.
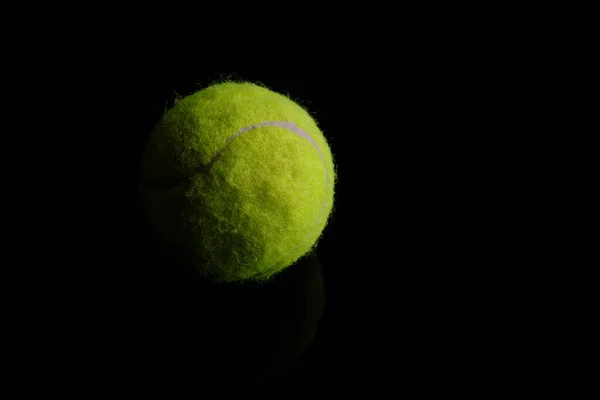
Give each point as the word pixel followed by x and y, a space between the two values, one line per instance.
pixel 240 179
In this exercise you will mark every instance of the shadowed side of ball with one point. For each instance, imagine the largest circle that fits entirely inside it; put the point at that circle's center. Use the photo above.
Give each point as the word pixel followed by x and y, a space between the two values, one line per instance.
pixel 240 179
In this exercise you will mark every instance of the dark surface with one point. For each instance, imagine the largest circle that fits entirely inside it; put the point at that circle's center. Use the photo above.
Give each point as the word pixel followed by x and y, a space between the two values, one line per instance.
pixel 245 332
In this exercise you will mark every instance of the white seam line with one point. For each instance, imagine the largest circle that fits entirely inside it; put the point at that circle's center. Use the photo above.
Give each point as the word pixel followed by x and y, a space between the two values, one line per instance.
pixel 295 129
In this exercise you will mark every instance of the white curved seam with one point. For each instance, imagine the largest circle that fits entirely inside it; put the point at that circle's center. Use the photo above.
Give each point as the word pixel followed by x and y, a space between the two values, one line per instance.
pixel 295 129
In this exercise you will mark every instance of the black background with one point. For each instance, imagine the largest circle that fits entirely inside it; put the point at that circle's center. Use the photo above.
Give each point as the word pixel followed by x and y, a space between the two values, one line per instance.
pixel 422 269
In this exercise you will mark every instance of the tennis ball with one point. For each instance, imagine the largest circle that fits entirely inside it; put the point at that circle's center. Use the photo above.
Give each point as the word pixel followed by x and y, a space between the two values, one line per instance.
pixel 239 179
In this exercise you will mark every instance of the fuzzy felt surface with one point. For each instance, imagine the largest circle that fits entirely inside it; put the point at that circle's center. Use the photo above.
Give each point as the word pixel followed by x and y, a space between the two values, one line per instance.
pixel 240 179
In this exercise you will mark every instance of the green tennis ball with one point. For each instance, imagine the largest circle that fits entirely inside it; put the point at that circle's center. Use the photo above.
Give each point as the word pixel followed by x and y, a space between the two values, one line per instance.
pixel 239 179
